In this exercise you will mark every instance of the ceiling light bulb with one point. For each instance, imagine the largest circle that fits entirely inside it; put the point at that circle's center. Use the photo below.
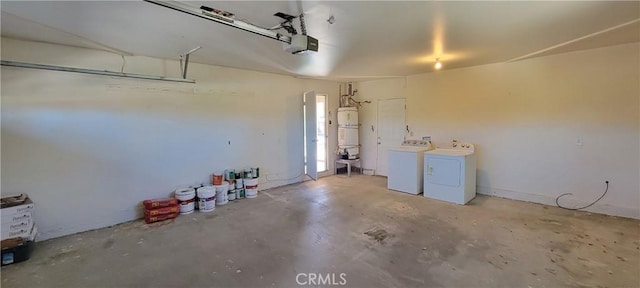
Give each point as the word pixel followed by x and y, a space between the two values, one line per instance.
pixel 438 64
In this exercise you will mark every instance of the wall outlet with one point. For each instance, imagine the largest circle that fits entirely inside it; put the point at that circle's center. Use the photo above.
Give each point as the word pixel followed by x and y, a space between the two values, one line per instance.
pixel 579 142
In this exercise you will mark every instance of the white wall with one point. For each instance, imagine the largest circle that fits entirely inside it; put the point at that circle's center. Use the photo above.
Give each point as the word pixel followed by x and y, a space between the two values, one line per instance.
pixel 526 118
pixel 88 149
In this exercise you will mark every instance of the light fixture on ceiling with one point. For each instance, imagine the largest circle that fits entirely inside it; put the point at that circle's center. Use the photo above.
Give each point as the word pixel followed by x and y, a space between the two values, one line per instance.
pixel 438 64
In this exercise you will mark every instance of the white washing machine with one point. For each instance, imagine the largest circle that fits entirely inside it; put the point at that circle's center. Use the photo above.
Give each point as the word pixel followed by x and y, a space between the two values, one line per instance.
pixel 450 174
pixel 405 166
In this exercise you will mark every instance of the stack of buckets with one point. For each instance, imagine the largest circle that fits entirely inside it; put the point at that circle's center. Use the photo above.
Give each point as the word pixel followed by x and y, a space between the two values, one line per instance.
pixel 234 185
pixel 226 187
pixel 251 182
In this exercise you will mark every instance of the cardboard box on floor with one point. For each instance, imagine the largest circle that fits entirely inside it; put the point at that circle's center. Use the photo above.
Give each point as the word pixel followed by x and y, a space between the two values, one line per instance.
pixel 10 207
pixel 18 229
pixel 17 218
pixel 22 230
pixel 13 241
pixel 18 249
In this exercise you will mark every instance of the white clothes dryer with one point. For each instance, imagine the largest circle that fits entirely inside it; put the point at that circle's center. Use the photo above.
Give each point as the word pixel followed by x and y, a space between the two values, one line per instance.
pixel 450 174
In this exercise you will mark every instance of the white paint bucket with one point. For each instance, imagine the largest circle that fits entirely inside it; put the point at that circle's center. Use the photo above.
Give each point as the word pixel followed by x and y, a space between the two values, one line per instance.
pixel 232 195
pixel 221 193
pixel 251 187
pixel 239 183
pixel 206 198
pixel 186 200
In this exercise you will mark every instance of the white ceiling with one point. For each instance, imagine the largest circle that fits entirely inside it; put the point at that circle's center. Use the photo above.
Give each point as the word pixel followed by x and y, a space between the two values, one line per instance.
pixel 368 40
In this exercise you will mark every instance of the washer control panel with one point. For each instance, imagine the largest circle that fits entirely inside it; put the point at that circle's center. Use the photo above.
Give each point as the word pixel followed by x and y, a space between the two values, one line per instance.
pixel 420 143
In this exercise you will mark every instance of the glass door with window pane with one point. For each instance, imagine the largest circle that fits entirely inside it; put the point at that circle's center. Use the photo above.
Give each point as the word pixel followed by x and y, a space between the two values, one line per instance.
pixel 321 117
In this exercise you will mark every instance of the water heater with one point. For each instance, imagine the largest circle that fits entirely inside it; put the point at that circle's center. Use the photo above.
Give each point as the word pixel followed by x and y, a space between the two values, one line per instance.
pixel 348 142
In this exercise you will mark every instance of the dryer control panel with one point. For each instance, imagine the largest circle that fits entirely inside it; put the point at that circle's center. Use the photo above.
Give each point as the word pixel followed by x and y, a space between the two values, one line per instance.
pixel 462 145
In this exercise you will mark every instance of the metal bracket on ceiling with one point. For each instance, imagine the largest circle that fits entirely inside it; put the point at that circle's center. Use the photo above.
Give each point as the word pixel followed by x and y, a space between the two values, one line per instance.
pixel 91 71
pixel 185 56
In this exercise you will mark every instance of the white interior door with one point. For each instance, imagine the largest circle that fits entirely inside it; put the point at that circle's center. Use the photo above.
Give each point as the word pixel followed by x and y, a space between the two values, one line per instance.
pixel 310 135
pixel 391 130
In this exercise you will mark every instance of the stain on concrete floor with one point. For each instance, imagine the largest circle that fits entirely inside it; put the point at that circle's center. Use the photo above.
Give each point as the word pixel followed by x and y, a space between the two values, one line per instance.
pixel 378 235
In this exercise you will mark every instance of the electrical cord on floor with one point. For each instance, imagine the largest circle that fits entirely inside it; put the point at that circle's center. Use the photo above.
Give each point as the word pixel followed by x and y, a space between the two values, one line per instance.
pixel 580 208
pixel 274 180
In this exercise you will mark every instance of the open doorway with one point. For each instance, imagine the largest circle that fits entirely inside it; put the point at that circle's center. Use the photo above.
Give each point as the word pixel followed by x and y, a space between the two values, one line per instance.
pixel 315 114
pixel 321 120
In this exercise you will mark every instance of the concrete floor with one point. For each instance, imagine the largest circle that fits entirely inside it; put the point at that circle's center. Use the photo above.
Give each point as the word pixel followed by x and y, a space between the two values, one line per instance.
pixel 377 237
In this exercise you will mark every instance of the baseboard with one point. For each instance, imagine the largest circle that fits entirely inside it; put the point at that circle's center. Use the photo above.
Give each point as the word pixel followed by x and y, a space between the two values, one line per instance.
pixel 627 212
pixel 370 172
pixel 131 214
